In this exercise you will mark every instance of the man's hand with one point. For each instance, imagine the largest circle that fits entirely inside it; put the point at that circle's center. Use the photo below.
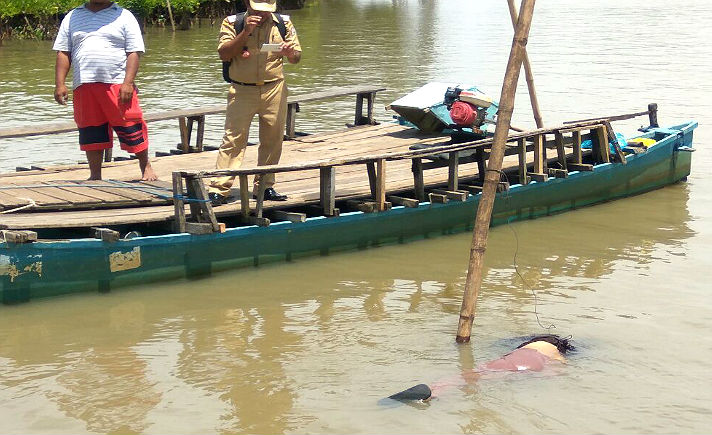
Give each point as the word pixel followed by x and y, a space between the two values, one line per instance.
pixel 125 93
pixel 61 69
pixel 289 51
pixel 251 22
pixel 61 94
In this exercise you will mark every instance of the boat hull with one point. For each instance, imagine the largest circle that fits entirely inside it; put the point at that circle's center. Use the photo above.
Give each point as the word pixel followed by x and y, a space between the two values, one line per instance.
pixel 42 269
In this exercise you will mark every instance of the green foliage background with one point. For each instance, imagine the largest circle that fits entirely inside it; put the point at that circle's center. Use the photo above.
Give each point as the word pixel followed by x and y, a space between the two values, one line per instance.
pixel 37 8
pixel 38 19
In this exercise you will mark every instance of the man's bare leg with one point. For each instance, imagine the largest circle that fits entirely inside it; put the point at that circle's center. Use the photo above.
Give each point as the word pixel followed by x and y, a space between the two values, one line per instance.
pixel 147 173
pixel 95 159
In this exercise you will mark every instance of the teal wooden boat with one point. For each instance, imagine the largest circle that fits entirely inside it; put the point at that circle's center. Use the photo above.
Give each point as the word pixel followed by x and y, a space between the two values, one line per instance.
pixel 50 268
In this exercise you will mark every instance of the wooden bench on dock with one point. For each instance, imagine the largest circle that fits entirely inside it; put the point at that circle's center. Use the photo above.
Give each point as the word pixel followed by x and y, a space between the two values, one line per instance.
pixel 188 117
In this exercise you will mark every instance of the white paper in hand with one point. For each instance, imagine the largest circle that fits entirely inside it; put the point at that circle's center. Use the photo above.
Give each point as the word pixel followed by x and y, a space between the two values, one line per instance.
pixel 270 47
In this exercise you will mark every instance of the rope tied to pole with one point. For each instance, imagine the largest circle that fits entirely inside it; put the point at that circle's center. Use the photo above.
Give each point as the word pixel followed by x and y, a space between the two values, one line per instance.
pixel 185 198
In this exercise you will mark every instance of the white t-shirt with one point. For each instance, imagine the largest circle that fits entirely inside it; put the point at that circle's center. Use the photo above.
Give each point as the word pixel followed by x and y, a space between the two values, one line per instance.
pixel 99 42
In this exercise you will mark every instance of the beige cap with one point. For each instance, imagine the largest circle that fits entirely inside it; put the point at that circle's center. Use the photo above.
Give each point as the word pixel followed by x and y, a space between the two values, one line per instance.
pixel 263 5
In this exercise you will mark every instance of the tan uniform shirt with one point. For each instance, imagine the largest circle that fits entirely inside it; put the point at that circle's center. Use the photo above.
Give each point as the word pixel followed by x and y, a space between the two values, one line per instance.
pixel 259 67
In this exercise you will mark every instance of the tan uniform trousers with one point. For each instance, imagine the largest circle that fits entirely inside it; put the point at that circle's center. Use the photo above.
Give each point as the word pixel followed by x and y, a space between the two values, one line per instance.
pixel 269 101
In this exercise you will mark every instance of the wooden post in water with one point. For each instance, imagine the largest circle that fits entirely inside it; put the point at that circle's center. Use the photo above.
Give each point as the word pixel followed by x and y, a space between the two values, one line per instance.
pixel 170 15
pixel 527 70
pixel 492 176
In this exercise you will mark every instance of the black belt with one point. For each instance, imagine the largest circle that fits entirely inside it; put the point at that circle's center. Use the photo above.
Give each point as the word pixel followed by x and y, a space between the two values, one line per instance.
pixel 253 84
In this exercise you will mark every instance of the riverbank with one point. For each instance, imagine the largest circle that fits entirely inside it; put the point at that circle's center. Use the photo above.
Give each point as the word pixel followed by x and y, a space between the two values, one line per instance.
pixel 40 21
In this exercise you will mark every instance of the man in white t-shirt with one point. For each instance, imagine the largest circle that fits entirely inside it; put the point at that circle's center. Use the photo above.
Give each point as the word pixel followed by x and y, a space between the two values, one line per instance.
pixel 102 42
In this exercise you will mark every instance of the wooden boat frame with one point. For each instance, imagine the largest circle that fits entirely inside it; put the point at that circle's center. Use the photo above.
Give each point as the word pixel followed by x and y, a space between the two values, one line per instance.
pixel 31 269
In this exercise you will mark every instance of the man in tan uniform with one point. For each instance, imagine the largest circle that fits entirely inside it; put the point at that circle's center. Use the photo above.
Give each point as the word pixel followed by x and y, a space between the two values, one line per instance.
pixel 257 88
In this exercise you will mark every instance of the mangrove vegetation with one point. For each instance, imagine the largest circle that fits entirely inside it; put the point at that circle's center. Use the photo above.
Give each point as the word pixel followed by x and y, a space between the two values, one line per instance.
pixel 39 19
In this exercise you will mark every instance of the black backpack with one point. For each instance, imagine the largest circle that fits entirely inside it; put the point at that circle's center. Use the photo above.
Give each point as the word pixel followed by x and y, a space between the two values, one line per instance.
pixel 239 25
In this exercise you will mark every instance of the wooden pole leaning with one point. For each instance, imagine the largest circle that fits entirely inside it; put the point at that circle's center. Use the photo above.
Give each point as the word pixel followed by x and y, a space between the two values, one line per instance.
pixel 492 176
pixel 514 15
pixel 170 15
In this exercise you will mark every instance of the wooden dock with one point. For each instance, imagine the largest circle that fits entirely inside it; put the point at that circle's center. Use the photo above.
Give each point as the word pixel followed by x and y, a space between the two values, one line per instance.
pixel 61 197
pixel 320 173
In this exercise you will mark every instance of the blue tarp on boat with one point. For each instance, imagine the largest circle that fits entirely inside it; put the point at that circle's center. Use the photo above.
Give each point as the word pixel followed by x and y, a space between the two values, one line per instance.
pixel 424 108
pixel 588 144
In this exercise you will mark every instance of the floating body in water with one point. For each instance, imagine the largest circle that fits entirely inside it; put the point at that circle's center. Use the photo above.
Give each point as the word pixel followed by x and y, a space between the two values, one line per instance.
pixel 532 355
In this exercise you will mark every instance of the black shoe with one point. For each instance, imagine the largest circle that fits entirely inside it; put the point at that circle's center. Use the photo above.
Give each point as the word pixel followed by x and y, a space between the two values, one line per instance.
pixel 419 392
pixel 272 195
pixel 216 199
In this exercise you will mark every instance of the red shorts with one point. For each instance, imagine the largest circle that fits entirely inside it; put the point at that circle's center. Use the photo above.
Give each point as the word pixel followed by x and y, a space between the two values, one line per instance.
pixel 97 111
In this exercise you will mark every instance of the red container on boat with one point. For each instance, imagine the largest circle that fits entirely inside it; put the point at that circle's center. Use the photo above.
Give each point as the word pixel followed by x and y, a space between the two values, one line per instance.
pixel 463 114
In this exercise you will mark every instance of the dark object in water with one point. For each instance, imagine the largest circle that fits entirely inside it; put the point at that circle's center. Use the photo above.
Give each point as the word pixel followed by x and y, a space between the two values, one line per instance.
pixel 562 344
pixel 418 392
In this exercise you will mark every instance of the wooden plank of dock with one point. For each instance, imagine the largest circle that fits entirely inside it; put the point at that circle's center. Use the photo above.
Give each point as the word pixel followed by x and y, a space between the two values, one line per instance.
pixel 302 187
pixel 80 194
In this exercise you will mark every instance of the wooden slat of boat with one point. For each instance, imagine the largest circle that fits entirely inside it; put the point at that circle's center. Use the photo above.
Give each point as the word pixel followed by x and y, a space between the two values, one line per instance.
pixel 85 187
pixel 41 199
pixel 76 171
pixel 87 218
pixel 8 202
pixel 334 150
pixel 348 133
pixel 58 127
pixel 323 136
pixel 77 198
pixel 335 92
pixel 132 192
pixel 367 140
pixel 160 185
pixel 356 149
pixel 650 111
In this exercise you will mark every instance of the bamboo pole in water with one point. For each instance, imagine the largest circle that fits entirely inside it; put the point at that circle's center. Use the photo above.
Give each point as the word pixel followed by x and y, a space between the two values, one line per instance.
pixel 170 15
pixel 527 70
pixel 492 175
